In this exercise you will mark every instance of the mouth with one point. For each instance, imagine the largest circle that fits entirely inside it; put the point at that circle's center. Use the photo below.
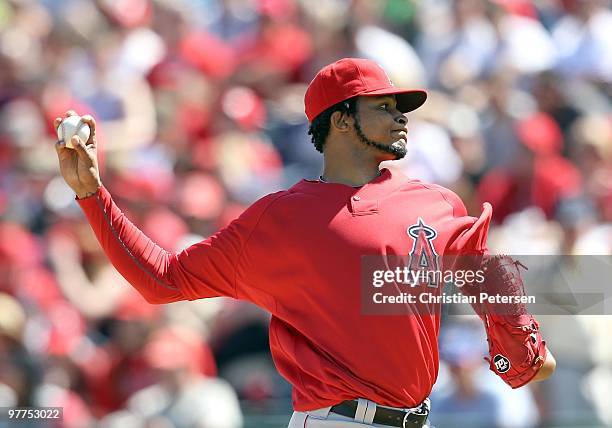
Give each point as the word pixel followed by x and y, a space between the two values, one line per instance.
pixel 401 133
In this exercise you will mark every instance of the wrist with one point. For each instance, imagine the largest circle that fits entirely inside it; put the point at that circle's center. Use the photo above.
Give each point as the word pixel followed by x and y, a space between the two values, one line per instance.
pixel 87 193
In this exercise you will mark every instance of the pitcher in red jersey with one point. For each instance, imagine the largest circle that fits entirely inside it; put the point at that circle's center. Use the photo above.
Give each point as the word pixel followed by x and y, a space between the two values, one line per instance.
pixel 297 254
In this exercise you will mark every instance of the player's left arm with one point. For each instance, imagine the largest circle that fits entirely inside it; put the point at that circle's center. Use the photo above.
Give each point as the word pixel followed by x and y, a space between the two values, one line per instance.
pixel 517 351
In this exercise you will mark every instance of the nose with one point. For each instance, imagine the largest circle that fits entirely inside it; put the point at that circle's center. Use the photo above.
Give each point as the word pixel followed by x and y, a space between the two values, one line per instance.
pixel 402 119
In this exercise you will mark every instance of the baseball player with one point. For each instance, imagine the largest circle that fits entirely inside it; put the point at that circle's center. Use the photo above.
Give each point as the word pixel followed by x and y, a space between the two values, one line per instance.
pixel 297 254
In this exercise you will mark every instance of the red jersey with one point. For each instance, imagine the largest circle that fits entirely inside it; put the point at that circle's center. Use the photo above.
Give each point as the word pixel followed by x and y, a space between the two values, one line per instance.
pixel 297 254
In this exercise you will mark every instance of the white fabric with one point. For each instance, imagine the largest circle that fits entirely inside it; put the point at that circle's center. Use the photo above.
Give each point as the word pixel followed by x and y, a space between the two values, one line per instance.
pixel 394 54
pixel 324 418
pixel 369 414
pixel 362 405
pixel 207 402
pixel 528 46
pixel 584 48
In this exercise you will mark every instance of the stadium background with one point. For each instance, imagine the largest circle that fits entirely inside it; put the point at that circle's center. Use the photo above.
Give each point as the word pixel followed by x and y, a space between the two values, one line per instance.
pixel 200 112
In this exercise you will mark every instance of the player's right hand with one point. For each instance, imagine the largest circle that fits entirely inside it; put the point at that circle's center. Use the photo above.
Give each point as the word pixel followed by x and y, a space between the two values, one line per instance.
pixel 79 166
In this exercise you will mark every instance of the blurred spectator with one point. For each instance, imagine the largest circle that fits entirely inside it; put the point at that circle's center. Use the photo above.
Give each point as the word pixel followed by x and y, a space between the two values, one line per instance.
pixel 583 39
pixel 549 94
pixel 18 374
pixel 184 396
pixel 460 46
pixel 469 404
pixel 468 394
pixel 95 298
pixel 539 177
pixel 239 339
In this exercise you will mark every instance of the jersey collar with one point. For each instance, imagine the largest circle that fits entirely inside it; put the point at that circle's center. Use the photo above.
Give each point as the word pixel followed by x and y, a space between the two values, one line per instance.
pixel 382 184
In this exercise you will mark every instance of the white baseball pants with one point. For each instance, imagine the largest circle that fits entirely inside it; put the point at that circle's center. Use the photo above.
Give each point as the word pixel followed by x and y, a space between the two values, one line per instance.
pixel 323 418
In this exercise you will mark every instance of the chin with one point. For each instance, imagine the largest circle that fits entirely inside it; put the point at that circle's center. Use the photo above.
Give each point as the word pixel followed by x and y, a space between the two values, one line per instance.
pixel 388 151
pixel 399 149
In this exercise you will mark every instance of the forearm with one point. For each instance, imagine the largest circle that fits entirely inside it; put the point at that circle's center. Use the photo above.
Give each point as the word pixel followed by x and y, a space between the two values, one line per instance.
pixel 137 258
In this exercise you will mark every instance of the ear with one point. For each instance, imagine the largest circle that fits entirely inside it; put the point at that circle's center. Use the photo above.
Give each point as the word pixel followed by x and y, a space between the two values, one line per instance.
pixel 340 121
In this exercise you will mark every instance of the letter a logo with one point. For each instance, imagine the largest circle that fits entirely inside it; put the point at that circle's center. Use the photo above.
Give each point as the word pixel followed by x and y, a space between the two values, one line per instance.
pixel 423 256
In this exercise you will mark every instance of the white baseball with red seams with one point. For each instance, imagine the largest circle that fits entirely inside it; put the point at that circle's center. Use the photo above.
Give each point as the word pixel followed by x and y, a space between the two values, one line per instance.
pixel 72 125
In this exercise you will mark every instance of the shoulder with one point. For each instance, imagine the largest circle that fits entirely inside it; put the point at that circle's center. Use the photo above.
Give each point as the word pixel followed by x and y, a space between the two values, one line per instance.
pixel 272 207
pixel 450 197
pixel 263 204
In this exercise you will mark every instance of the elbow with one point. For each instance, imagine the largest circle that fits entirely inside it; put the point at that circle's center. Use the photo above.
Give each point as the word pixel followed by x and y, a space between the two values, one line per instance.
pixel 159 297
pixel 152 299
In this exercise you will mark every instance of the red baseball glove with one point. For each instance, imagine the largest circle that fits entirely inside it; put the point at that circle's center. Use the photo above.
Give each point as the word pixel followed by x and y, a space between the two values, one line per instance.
pixel 516 348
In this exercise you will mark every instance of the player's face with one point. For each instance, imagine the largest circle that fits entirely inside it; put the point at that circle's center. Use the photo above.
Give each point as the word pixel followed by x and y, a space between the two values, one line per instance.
pixel 381 126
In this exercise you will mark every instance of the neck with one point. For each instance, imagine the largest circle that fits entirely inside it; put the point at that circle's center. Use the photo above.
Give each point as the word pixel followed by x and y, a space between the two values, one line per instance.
pixel 352 168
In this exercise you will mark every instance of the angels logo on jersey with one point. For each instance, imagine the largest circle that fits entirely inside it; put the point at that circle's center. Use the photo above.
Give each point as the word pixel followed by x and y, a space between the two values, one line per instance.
pixel 423 256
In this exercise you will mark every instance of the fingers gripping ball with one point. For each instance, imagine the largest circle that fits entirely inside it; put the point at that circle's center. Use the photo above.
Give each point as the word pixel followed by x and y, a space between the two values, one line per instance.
pixel 73 125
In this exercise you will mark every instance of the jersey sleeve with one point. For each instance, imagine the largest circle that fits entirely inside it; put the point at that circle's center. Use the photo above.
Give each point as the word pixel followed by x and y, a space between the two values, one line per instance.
pixel 205 269
pixel 471 234
pixel 470 237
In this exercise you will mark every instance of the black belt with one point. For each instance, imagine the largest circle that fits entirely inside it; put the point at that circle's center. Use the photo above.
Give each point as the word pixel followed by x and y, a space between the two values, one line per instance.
pixel 385 416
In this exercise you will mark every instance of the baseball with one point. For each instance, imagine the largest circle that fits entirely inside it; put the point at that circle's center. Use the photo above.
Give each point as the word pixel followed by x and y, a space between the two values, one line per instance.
pixel 70 126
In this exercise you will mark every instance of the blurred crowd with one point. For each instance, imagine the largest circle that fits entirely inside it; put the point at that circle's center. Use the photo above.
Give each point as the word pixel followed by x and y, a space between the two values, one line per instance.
pixel 199 105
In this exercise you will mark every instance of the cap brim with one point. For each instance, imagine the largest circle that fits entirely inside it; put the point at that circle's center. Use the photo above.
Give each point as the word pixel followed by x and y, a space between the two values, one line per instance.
pixel 407 99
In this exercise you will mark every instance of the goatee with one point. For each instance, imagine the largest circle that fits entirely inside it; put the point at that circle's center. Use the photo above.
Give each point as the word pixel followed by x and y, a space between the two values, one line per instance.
pixel 397 149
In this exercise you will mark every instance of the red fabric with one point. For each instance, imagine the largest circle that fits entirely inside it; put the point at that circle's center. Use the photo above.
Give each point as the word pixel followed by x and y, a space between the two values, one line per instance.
pixel 132 307
pixel 38 285
pixel 67 328
pixel 605 206
pixel 193 119
pixel 297 253
pixel 165 227
pixel 201 196
pixel 172 348
pixel 209 54
pixel 350 77
pixel 75 412
pixel 501 189
pixel 19 247
pixel 524 8
pixel 112 377
pixel 554 178
pixel 541 134
pixel 279 47
pixel 244 106
pixel 277 9
pixel 129 14
pixel 152 185
pixel 516 348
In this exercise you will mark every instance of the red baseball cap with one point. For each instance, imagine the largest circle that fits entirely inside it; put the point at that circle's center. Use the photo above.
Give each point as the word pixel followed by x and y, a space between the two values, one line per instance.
pixel 350 77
